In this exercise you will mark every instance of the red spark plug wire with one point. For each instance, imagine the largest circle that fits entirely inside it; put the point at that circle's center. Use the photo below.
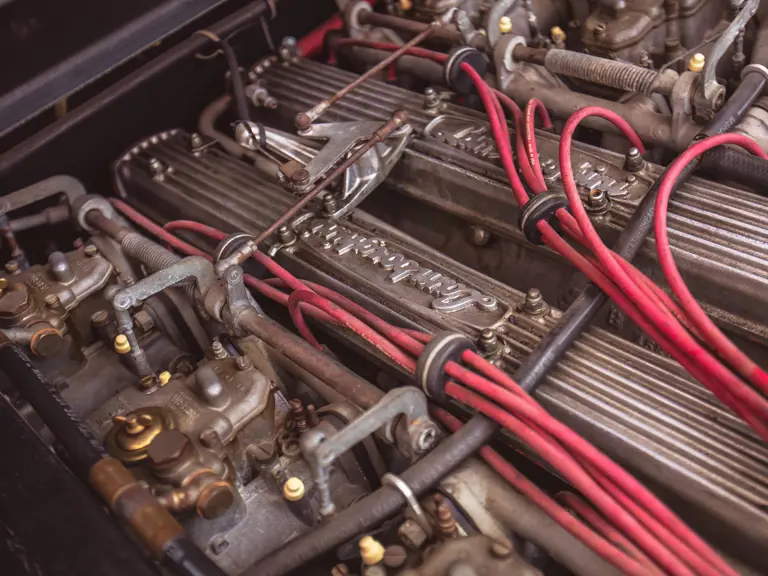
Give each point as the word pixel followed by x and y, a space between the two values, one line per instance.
pixel 723 346
pixel 665 321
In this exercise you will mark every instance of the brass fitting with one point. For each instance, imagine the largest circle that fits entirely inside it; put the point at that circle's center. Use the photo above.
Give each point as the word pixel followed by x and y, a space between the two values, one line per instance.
pixel 122 346
pixel 164 378
pixel 153 524
pixel 696 63
pixel 505 24
pixel 557 35
pixel 371 550
pixel 293 489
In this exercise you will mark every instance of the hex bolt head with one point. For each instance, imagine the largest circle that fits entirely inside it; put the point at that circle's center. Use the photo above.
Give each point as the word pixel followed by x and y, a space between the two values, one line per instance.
pixel 167 447
pixel 534 302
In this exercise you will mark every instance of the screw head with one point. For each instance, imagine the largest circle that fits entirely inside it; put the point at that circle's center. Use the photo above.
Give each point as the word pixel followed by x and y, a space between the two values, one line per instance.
pixel 91 250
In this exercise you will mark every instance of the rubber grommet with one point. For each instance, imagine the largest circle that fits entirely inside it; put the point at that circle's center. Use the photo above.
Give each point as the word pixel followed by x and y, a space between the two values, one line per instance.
pixel 455 77
pixel 430 366
pixel 540 207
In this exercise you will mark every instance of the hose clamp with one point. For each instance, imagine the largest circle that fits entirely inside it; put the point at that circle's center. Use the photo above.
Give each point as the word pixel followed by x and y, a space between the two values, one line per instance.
pixel 413 502
pixel 444 347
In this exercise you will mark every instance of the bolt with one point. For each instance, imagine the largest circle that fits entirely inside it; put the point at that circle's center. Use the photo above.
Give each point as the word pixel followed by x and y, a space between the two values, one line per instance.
pixel 271 103
pixel 156 167
pixel 218 544
pixel 597 200
pixel 489 342
pixel 243 363
pixel 395 556
pixel 479 235
pixel 631 179
pixel 143 321
pixel 411 534
pixel 340 570
pixel 100 318
pixel 195 140
pixel 431 98
pixel 601 168
pixel 300 177
pixel 299 416
pixel 219 353
pixel 167 447
pixel 505 24
pixel 534 302
pixel 634 161
pixel 599 30
pixel 285 234
pixel 696 63
pixel 329 203
pixel 12 267
pixel 446 523
pixel 215 500
pixel 164 377
pixel 51 300
pixel 501 550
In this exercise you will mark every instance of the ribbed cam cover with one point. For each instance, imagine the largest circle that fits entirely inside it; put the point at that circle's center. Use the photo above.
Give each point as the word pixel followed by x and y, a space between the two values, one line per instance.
pixel 639 407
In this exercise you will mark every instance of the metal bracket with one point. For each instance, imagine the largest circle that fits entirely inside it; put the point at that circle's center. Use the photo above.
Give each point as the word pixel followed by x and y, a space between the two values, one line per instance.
pixel 410 497
pixel 342 137
pixel 710 94
pixel 320 449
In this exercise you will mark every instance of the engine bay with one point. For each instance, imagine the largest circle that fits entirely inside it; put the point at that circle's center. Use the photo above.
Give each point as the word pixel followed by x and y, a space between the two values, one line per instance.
pixel 438 288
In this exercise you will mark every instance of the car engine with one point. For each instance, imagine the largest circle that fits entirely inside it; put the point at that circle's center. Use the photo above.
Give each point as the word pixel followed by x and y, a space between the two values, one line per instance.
pixel 358 313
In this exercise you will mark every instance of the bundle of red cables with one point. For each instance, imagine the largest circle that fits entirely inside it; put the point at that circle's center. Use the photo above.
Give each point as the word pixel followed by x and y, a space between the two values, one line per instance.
pixel 630 527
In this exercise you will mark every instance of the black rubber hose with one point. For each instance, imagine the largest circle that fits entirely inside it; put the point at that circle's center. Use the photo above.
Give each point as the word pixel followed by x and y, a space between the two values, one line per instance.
pixel 737 166
pixel 180 555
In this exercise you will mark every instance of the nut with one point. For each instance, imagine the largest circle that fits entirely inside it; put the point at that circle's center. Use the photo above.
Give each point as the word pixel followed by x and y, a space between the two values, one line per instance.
pixel 534 302
pixel 143 321
pixel 411 534
pixel 505 24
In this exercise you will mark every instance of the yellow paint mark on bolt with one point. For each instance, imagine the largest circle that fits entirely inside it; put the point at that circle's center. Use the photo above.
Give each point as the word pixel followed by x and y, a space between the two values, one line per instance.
pixel 121 344
pixel 696 63
pixel 371 550
pixel 557 34
pixel 293 489
pixel 164 377
pixel 505 24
